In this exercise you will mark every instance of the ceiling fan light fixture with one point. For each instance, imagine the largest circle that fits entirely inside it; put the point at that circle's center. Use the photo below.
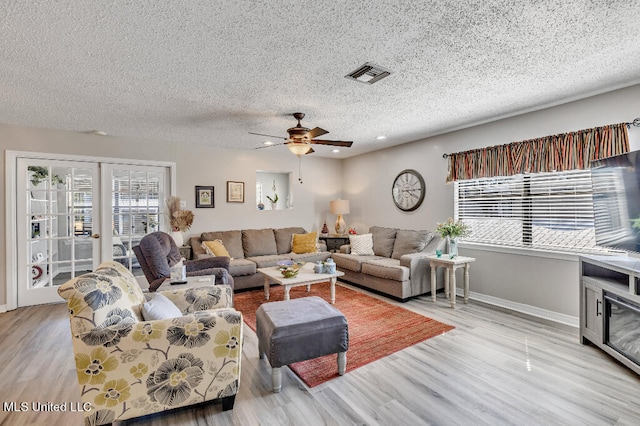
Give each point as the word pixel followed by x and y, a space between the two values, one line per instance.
pixel 299 148
pixel 301 139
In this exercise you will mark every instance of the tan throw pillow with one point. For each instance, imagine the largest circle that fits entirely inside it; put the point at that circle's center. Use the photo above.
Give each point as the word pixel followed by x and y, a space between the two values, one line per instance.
pixel 215 248
pixel 304 243
pixel 383 240
pixel 410 242
pixel 232 241
pixel 284 237
pixel 361 245
pixel 258 242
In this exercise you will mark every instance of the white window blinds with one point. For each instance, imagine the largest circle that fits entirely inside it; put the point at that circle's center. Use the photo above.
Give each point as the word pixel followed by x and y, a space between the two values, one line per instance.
pixel 552 211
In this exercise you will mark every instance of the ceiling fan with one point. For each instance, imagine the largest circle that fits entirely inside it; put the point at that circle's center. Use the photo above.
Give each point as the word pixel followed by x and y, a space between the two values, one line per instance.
pixel 301 138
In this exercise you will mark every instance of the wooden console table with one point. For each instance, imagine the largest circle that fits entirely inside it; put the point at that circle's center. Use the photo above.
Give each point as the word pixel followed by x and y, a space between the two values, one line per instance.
pixel 450 275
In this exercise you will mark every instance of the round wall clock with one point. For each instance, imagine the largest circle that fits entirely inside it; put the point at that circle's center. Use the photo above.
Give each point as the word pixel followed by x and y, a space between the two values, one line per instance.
pixel 408 190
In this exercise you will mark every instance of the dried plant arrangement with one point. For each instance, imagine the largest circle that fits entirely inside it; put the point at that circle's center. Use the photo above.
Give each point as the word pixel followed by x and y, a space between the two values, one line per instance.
pixel 180 220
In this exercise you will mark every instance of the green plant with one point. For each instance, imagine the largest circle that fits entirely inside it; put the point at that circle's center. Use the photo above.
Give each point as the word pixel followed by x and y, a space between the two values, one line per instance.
pixel 275 194
pixel 42 173
pixel 453 229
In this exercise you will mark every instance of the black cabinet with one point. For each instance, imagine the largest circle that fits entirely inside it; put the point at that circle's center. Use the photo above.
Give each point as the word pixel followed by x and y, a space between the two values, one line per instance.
pixel 185 251
pixel 334 242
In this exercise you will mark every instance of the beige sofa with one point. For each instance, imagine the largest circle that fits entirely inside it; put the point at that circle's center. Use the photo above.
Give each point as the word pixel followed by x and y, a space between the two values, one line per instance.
pixel 398 267
pixel 251 249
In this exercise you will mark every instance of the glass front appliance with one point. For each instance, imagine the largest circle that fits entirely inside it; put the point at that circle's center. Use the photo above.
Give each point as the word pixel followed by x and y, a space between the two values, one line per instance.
pixel 622 326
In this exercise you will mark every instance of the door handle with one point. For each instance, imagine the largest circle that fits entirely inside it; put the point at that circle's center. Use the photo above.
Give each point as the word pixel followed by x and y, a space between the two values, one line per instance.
pixel 598 311
pixel 96 236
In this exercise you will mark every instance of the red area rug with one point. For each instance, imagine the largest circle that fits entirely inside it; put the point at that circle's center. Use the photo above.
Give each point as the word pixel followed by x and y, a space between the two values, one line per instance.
pixel 376 328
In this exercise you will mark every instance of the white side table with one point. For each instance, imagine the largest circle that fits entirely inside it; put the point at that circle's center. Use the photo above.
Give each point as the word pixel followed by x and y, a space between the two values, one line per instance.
pixel 450 275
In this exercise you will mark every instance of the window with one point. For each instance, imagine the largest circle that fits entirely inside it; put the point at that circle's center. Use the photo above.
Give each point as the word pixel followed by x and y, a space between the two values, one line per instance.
pixel 258 193
pixel 137 202
pixel 551 211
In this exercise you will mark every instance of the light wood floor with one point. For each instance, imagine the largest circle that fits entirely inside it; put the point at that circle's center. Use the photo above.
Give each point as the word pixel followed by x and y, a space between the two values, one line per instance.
pixel 494 368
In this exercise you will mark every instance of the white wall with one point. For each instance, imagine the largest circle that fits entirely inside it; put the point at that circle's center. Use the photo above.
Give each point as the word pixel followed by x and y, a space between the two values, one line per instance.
pixel 543 282
pixel 196 165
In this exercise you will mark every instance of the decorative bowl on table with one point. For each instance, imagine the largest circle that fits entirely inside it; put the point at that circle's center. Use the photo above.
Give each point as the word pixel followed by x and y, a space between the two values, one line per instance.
pixel 289 272
pixel 289 268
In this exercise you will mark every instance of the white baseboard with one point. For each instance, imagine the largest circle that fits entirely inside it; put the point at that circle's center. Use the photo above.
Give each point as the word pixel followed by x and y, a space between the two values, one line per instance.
pixel 525 309
pixel 3 309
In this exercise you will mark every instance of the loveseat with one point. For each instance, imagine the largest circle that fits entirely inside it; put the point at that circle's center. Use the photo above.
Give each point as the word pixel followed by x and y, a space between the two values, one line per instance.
pixel 134 356
pixel 395 265
pixel 250 249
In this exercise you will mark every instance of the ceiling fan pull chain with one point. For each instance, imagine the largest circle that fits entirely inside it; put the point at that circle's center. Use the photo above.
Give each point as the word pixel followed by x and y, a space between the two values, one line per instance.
pixel 300 168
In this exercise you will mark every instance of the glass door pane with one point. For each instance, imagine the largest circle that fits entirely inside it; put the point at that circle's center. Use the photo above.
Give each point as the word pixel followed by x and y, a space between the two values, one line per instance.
pixel 137 208
pixel 57 212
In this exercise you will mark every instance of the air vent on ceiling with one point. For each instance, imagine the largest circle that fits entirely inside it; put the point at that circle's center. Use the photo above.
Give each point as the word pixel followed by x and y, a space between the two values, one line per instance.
pixel 369 73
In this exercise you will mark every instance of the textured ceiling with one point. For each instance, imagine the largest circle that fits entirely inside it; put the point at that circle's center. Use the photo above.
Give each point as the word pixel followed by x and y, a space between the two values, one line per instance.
pixel 209 72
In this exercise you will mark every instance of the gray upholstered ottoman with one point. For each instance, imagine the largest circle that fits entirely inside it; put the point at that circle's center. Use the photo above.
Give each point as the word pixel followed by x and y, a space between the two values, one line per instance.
pixel 296 330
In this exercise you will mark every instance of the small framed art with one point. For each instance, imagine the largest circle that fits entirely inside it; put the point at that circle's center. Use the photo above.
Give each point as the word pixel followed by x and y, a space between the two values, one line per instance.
pixel 204 197
pixel 235 192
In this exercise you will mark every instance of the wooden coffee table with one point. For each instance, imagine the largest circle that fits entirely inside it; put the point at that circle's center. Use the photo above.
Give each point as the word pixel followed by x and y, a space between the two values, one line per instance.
pixel 304 277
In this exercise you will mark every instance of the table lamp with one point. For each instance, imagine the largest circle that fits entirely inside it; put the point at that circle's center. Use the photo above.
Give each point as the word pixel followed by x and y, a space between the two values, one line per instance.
pixel 340 207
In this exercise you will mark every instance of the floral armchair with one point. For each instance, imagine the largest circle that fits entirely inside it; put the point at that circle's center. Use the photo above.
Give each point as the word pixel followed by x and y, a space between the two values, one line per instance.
pixel 128 367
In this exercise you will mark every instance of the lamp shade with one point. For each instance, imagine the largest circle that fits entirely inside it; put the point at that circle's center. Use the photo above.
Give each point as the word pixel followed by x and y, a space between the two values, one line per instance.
pixel 339 206
pixel 299 148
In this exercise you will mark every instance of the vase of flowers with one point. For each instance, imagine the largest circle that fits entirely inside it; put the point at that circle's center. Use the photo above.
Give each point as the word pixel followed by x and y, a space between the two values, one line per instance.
pixel 452 242
pixel 179 220
pixel 274 201
pixel 452 230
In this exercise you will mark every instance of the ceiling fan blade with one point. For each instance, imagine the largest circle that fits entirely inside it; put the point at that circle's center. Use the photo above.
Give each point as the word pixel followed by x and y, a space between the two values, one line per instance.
pixel 269 136
pixel 315 132
pixel 269 146
pixel 346 144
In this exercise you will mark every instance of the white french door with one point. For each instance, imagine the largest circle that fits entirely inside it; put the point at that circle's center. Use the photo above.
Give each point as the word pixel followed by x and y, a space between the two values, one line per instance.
pixel 58 208
pixel 72 215
pixel 136 207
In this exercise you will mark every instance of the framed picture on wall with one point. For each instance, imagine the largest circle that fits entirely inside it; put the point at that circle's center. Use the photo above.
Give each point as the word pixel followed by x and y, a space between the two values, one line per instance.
pixel 204 197
pixel 235 192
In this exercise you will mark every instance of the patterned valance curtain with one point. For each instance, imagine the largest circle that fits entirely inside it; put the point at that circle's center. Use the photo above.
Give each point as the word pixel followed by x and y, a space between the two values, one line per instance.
pixel 567 151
